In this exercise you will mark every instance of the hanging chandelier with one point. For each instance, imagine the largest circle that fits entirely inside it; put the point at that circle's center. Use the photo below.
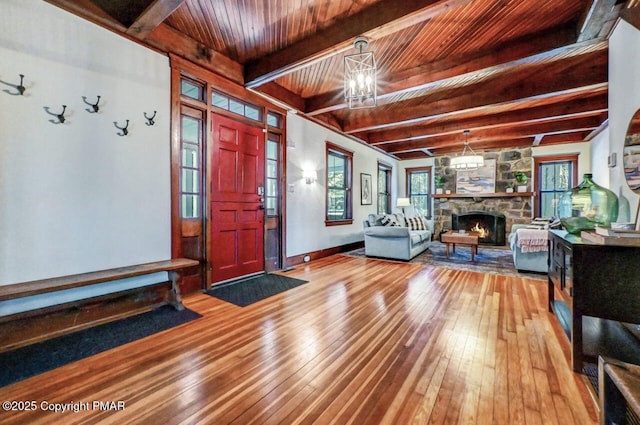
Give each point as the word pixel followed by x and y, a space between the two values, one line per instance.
pixel 360 77
pixel 467 161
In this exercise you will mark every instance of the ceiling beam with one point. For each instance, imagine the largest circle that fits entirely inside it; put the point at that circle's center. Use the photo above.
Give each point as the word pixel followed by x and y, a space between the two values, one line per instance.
pixel 594 19
pixel 556 139
pixel 412 155
pixel 506 125
pixel 568 137
pixel 381 18
pixel 564 109
pixel 556 42
pixel 153 16
pixel 169 40
pixel 597 131
pixel 632 16
pixel 589 72
pixel 486 135
pixel 483 146
pixel 283 95
pixel 537 140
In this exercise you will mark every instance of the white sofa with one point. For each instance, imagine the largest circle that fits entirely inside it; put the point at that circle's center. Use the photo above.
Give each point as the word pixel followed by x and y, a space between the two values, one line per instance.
pixel 395 241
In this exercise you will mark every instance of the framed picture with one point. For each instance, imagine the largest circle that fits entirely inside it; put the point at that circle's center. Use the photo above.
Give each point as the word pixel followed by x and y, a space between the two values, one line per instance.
pixel 366 197
pixel 480 180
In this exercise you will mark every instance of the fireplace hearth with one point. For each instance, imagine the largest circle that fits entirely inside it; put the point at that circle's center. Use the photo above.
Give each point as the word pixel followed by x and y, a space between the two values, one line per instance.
pixel 490 226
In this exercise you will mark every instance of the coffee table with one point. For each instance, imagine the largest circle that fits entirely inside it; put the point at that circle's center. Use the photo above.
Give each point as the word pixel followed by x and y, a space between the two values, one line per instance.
pixel 453 238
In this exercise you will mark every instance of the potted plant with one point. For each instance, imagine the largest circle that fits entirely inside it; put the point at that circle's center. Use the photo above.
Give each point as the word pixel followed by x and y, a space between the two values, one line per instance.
pixel 521 180
pixel 439 182
pixel 510 187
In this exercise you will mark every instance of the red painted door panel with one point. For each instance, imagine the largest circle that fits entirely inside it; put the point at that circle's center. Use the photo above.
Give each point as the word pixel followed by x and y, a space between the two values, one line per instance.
pixel 237 215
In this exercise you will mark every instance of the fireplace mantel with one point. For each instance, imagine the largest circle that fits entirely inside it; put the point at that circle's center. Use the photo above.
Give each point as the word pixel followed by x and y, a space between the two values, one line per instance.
pixel 483 195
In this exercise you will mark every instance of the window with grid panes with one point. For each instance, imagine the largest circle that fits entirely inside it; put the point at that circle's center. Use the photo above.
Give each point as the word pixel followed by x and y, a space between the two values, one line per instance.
pixel 555 178
pixel 191 89
pixel 384 189
pixel 339 178
pixel 190 167
pixel 419 190
pixel 237 106
pixel 271 192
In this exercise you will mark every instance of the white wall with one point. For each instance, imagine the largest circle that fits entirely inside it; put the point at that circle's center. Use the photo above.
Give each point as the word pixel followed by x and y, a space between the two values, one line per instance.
pixel 77 197
pixel 599 159
pixel 624 100
pixel 306 144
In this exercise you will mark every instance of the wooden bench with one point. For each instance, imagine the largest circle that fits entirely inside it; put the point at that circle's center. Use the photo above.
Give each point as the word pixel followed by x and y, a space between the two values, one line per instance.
pixel 619 391
pixel 34 330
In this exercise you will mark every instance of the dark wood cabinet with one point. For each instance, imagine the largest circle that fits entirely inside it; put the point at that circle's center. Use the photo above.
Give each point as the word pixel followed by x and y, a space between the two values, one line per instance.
pixel 592 289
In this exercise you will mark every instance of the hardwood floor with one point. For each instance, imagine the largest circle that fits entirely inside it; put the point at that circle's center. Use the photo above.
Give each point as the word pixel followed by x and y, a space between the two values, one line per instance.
pixel 364 342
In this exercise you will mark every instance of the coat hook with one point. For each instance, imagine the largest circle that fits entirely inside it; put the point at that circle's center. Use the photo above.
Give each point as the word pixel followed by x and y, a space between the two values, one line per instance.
pixel 21 88
pixel 150 119
pixel 124 129
pixel 61 118
pixel 61 114
pixel 94 106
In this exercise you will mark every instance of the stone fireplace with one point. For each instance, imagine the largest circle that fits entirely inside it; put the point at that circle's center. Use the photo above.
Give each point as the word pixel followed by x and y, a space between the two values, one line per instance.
pixel 490 226
pixel 514 207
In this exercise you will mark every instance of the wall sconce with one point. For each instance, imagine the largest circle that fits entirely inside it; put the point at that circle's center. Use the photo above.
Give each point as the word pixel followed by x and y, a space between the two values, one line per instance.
pixel 402 203
pixel 309 176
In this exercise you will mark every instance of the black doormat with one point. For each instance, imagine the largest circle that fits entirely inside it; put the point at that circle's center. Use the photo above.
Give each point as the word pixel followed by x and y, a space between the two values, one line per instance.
pixel 248 291
pixel 40 357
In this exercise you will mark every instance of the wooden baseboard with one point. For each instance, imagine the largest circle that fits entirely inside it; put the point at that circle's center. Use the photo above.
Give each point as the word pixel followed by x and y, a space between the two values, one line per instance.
pixel 315 255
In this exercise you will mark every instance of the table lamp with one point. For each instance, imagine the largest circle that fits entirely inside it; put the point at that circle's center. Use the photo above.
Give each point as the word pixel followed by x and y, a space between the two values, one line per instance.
pixel 402 203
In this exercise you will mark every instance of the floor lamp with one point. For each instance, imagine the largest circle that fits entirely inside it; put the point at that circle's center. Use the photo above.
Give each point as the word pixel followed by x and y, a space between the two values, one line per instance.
pixel 402 203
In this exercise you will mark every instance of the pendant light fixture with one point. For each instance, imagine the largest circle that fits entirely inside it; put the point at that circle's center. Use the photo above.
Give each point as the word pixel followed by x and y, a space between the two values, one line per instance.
pixel 467 161
pixel 360 77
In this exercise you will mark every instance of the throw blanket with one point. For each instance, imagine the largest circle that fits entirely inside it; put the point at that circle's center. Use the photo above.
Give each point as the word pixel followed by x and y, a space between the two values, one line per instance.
pixel 532 240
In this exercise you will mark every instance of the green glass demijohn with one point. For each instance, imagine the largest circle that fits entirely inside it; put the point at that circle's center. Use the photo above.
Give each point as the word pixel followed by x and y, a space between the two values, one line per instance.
pixel 586 205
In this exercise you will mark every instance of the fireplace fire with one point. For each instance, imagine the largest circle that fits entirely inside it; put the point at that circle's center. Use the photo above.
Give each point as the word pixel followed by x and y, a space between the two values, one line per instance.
pixel 490 226
pixel 482 232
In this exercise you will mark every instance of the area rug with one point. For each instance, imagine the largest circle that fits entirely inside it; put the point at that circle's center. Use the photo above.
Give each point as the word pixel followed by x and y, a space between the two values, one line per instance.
pixel 40 357
pixel 492 260
pixel 248 291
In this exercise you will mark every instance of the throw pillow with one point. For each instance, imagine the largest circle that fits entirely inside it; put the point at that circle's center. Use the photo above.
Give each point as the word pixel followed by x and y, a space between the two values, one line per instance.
pixel 546 223
pixel 400 219
pixel 374 219
pixel 388 220
pixel 415 223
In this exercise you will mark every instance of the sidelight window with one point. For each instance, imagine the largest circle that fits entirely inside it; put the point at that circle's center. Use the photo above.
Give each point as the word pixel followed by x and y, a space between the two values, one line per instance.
pixel 272 162
pixel 190 167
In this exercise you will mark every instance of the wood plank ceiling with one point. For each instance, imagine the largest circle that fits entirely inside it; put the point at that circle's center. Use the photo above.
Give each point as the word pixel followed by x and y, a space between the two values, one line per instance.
pixel 514 72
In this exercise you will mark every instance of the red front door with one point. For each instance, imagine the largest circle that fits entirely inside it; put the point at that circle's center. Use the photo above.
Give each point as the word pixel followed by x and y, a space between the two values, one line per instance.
pixel 237 191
